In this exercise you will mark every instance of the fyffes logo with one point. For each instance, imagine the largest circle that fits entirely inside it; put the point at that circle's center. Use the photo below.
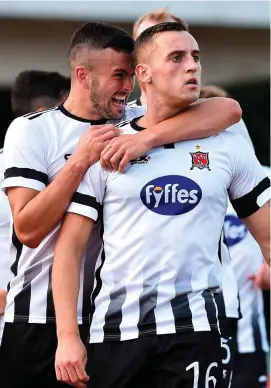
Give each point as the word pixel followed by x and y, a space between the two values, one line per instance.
pixel 234 230
pixel 171 195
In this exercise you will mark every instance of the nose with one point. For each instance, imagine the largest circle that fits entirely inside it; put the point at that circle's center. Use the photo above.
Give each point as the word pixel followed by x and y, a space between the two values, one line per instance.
pixel 191 65
pixel 129 84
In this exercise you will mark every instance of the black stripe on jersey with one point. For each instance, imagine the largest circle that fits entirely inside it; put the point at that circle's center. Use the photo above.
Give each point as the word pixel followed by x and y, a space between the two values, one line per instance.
pixel 147 305
pixel 239 307
pixel 35 116
pixel 23 298
pixel 98 287
pixel 210 308
pixel 219 251
pixel 182 313
pixel 247 205
pixel 220 302
pixel 256 327
pixel 19 247
pixel 86 200
pixel 28 173
pixel 169 146
pixel 113 316
pixel 50 309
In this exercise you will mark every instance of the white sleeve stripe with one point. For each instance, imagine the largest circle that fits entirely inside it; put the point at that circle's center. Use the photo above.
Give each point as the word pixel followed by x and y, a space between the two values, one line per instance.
pixel 23 182
pixel 264 197
pixel 83 210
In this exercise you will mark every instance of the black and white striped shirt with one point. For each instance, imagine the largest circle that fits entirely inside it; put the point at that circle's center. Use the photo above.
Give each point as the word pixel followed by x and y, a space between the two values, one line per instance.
pixel 162 225
pixel 247 258
pixel 36 148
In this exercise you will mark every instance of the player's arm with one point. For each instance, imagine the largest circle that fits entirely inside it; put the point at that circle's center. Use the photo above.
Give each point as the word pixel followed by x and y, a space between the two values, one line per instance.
pixel 250 192
pixel 84 209
pixel 37 206
pixel 259 226
pixel 71 354
pixel 201 119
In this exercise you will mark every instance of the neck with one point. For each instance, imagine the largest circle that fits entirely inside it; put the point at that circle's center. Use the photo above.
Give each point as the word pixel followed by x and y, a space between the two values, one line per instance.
pixel 143 98
pixel 79 104
pixel 158 110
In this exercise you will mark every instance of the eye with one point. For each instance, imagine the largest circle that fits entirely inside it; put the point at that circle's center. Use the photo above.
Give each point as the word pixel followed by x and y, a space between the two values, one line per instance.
pixel 176 58
pixel 196 58
pixel 119 75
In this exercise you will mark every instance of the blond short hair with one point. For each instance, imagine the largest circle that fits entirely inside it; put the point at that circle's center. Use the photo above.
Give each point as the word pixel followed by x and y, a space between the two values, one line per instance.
pixel 158 16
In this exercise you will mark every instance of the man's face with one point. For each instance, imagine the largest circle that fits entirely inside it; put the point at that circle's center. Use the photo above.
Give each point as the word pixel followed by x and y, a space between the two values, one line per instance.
pixel 111 83
pixel 175 67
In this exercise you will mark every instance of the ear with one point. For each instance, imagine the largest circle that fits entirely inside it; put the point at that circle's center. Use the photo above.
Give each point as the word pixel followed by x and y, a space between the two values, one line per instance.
pixel 40 108
pixel 82 75
pixel 144 73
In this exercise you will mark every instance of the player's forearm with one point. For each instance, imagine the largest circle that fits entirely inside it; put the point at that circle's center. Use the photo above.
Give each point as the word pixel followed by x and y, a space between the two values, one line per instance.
pixel 203 118
pixel 45 210
pixel 65 284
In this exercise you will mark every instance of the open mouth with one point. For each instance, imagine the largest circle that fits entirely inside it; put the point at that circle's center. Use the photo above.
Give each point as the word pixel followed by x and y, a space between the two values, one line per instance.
pixel 192 81
pixel 120 101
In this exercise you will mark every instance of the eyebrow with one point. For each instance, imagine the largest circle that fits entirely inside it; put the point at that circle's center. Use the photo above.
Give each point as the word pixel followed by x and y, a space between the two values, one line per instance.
pixel 119 70
pixel 182 52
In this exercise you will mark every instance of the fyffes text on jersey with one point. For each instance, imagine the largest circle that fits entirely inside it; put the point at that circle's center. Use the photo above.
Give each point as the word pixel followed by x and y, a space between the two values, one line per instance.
pixel 171 195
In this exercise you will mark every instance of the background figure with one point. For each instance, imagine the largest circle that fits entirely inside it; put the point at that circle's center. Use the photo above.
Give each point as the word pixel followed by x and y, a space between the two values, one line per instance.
pixel 252 345
pixel 5 272
pixel 36 90
pixel 251 341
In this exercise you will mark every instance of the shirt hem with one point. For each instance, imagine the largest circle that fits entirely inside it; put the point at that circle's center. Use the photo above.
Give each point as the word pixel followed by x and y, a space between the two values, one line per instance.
pixel 27 319
pixel 179 329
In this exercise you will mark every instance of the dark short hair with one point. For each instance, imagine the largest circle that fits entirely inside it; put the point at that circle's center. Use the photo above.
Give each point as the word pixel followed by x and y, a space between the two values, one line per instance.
pixel 150 33
pixel 100 36
pixel 32 84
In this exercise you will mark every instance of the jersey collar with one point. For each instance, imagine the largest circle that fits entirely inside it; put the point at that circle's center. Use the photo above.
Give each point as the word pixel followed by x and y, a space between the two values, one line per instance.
pixel 72 116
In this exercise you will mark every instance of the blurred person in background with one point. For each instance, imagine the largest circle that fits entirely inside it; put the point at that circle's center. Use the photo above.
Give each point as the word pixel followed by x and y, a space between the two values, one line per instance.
pixel 37 90
pixel 253 276
pixel 46 155
pixel 5 272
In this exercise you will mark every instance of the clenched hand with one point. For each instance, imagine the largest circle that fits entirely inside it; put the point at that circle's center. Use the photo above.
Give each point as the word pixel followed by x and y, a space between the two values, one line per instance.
pixel 93 141
pixel 121 150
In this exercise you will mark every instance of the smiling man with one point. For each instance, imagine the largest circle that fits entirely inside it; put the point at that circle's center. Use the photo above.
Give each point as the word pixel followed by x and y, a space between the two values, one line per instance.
pixel 154 318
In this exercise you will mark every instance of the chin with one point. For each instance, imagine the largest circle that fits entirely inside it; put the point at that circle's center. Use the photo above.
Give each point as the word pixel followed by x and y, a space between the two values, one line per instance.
pixel 117 115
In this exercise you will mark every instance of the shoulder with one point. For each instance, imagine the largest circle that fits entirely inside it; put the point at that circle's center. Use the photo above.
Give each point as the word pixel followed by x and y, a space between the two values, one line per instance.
pixel 42 115
pixel 32 124
pixel 132 111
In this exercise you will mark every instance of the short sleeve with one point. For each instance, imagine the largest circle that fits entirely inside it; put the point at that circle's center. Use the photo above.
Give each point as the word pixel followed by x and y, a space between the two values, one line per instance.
pixel 25 155
pixel 250 186
pixel 88 199
pixel 241 129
